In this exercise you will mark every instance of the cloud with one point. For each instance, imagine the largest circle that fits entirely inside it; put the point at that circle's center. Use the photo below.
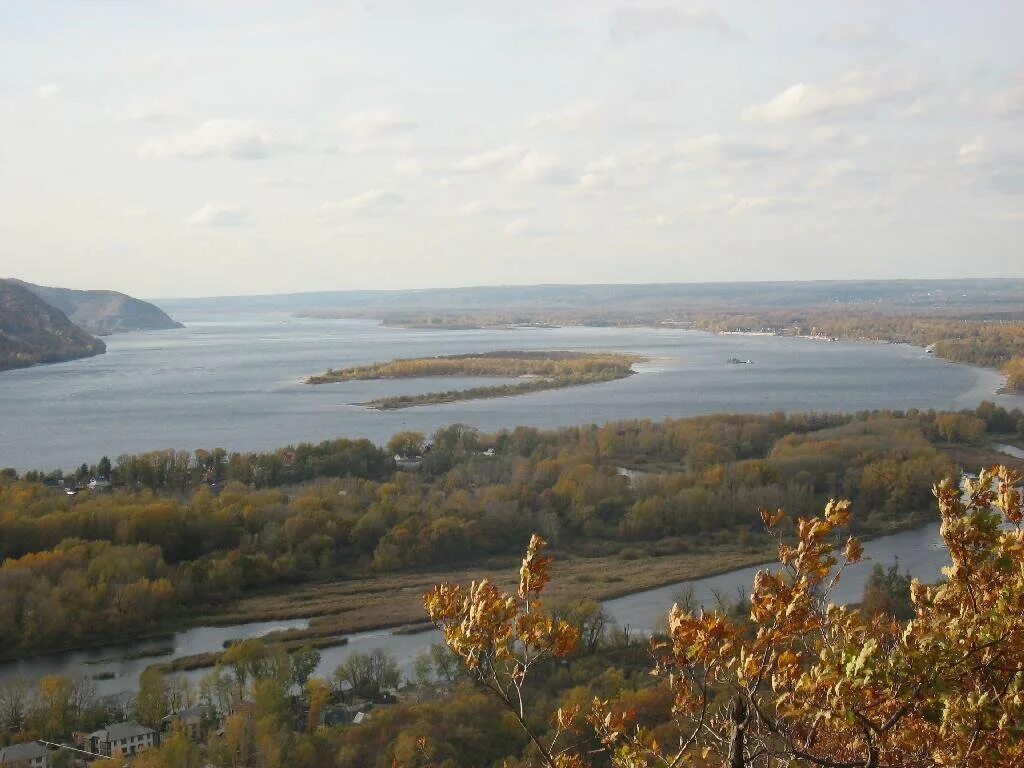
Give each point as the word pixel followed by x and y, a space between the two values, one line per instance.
pixel 375 125
pixel 971 152
pixel 716 149
pixel 996 169
pixel 851 93
pixel 477 208
pixel 536 167
pixel 860 36
pixel 212 215
pixel 149 113
pixel 1009 102
pixel 372 201
pixel 235 139
pixel 629 25
pixel 570 118
pixel 528 228
pixel 48 91
pixel 485 161
pixel 736 205
pixel 837 136
pixel 634 169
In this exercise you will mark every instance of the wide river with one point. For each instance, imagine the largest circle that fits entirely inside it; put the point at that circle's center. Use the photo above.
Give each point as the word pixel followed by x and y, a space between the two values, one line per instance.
pixel 235 381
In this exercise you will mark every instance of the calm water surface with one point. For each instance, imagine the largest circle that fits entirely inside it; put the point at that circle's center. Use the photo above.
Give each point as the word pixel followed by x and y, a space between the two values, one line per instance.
pixel 237 383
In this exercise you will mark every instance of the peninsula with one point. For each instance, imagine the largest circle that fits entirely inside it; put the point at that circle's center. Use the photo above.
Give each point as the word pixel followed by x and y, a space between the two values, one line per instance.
pixel 103 312
pixel 540 370
pixel 32 331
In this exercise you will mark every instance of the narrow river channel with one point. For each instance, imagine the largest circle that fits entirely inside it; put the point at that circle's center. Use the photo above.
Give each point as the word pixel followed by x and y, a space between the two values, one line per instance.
pixel 116 668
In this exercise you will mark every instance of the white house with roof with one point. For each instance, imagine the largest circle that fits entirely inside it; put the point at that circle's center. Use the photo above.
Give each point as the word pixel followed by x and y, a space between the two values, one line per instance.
pixel 28 754
pixel 123 739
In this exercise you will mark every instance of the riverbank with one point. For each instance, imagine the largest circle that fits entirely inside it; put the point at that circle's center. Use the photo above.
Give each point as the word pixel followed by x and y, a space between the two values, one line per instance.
pixel 396 602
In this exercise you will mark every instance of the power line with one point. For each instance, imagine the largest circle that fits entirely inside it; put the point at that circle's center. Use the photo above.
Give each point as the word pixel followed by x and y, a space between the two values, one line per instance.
pixel 75 749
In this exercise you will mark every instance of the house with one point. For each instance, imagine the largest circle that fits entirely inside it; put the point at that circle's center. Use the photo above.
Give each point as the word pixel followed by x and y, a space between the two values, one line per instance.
pixel 122 739
pixel 408 462
pixel 193 721
pixel 28 754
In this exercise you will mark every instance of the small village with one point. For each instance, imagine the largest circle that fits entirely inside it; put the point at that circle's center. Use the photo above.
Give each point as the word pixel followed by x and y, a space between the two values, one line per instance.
pixel 356 691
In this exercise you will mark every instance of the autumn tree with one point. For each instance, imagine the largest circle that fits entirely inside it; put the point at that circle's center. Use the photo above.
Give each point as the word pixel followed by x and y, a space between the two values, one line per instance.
pixel 803 681
pixel 151 703
pixel 319 693
pixel 406 444
pixel 887 592
pixel 501 637
pixel 368 673
pixel 303 664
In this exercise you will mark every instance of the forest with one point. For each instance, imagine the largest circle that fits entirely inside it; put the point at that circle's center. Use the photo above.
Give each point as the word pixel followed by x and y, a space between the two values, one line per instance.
pixel 179 534
pixel 914 676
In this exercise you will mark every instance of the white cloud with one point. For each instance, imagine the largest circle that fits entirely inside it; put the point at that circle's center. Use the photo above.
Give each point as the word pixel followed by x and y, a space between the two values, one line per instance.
pixel 477 208
pixel 853 92
pixel 235 139
pixel 538 167
pixel 860 35
pixel 1009 215
pixel 408 166
pixel 635 169
pixel 518 227
pixel 715 149
pixel 1009 102
pixel 570 118
pixel 526 227
pixel 736 205
pixel 153 112
pixel 371 201
pixel 375 125
pixel 48 91
pixel 485 161
pixel 971 152
pixel 838 136
pixel 213 215
pixel 632 24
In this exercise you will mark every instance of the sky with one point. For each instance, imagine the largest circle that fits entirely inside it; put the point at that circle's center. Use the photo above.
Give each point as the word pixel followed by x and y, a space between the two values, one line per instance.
pixel 237 146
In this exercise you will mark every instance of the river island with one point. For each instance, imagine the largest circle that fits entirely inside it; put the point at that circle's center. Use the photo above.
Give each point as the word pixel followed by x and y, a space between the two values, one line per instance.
pixel 540 370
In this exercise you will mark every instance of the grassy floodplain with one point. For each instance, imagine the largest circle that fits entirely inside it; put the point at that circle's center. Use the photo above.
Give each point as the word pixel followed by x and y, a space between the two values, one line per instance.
pixel 545 369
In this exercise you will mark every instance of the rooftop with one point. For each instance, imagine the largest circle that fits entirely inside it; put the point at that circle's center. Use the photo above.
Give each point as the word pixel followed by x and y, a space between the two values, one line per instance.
pixel 27 750
pixel 119 731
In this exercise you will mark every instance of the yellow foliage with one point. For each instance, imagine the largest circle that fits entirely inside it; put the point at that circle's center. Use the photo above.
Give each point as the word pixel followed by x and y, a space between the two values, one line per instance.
pixel 810 682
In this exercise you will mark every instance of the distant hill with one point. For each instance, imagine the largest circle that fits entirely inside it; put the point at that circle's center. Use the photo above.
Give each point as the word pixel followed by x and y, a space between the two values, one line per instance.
pixel 32 331
pixel 103 312
pixel 989 295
